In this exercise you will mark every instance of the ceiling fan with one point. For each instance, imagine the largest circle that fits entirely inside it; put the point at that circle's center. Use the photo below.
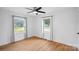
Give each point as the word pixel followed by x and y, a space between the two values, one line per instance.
pixel 35 10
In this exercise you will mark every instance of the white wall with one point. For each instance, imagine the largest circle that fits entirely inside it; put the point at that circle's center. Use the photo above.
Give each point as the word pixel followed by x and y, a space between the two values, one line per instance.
pixel 64 26
pixel 77 29
pixel 6 25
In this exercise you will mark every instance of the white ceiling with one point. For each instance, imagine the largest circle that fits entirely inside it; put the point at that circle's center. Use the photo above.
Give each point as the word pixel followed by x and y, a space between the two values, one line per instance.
pixel 23 10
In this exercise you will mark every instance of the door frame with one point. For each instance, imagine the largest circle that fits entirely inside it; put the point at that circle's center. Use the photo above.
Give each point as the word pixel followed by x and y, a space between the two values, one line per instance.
pixel 51 25
pixel 13 35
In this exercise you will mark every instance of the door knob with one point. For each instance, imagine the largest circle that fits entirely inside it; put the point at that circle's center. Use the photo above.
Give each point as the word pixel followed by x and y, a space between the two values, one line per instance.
pixel 78 33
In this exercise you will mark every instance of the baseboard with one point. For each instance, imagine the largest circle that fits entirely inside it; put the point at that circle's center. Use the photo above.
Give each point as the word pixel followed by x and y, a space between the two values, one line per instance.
pixel 5 44
pixel 36 37
pixel 10 43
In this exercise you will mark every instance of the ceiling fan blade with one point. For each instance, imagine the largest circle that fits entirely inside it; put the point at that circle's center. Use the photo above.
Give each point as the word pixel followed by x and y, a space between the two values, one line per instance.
pixel 29 9
pixel 35 8
pixel 38 8
pixel 41 11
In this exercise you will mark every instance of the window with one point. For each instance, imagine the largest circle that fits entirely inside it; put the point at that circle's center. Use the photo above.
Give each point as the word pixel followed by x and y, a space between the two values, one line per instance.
pixel 18 25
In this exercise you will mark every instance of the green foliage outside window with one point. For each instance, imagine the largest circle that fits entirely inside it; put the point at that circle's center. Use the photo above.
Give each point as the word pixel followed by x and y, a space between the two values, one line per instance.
pixel 19 25
pixel 46 22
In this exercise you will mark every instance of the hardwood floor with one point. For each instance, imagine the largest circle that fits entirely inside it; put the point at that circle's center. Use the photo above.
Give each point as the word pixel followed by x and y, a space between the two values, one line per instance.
pixel 37 44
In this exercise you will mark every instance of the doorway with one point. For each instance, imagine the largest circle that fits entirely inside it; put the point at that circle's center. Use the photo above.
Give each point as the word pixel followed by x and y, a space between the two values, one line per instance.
pixel 47 28
pixel 19 27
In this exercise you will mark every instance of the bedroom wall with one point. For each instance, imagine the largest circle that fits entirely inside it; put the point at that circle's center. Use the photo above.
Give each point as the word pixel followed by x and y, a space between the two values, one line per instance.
pixel 77 29
pixel 6 25
pixel 64 26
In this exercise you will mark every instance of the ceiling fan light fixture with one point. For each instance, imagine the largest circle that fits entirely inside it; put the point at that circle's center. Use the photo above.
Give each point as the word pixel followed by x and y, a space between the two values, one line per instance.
pixel 34 12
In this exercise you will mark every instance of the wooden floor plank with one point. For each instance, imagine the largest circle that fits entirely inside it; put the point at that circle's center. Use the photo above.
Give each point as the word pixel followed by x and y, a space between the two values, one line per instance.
pixel 37 44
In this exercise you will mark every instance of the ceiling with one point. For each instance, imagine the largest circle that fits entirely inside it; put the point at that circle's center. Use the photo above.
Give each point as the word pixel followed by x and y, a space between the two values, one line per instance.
pixel 23 10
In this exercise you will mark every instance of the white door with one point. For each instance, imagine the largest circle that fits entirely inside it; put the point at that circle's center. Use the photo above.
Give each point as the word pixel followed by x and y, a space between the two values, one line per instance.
pixel 47 27
pixel 19 28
